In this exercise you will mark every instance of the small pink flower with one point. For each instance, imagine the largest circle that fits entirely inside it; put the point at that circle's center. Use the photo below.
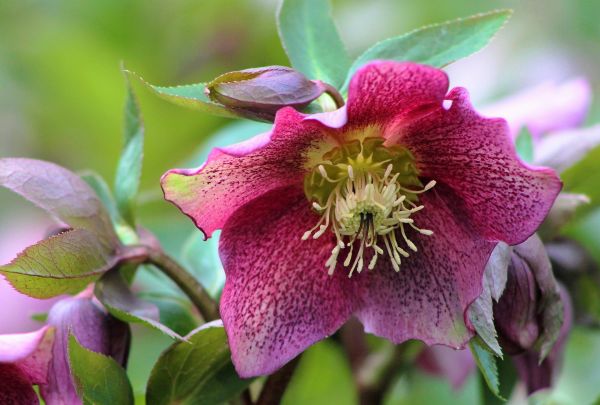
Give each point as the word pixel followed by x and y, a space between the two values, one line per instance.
pixel 406 189
pixel 41 358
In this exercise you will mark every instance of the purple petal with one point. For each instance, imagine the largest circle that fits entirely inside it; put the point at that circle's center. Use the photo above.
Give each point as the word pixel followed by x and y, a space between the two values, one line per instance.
pixel 382 90
pixel 545 108
pixel 15 387
pixel 93 329
pixel 516 312
pixel 506 199
pixel 29 352
pixel 278 298
pixel 237 175
pixel 18 346
pixel 428 297
pixel 538 376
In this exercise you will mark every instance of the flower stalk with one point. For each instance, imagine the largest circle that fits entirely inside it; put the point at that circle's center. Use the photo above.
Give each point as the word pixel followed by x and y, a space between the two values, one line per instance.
pixel 141 254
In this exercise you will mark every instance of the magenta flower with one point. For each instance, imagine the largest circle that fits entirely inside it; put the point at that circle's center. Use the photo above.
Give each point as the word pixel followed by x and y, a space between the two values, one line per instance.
pixel 41 358
pixel 406 189
pixel 24 360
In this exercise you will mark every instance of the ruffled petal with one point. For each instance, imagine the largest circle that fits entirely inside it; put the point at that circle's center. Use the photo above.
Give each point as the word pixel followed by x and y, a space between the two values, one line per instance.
pixel 544 108
pixel 384 90
pixel 506 199
pixel 236 175
pixel 15 387
pixel 428 297
pixel 278 298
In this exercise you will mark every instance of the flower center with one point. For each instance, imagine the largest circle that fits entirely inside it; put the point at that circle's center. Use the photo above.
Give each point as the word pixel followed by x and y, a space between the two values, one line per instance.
pixel 366 194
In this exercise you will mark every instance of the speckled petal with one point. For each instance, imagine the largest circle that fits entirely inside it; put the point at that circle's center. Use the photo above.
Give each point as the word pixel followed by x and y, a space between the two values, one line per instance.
pixel 428 297
pixel 544 108
pixel 505 198
pixel 278 298
pixel 29 352
pixel 383 90
pixel 238 174
pixel 15 387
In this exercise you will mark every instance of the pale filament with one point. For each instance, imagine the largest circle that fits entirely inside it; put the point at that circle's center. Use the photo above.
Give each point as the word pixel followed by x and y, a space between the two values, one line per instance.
pixel 369 208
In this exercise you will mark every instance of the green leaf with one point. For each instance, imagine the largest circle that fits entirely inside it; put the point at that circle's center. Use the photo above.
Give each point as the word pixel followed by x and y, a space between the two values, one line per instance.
pixel 60 192
pixel 129 168
pixel 487 365
pixel 328 361
pixel 98 378
pixel 201 257
pixel 524 145
pixel 578 179
pixel 62 264
pixel 311 40
pixel 198 371
pixel 191 96
pixel 119 300
pixel 481 313
pixel 436 45
pixel 175 313
pixel 97 183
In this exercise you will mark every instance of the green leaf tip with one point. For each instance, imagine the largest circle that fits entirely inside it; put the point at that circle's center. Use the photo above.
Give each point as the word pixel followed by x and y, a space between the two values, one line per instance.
pixel 311 41
pixel 99 379
pixel 437 44
pixel 190 95
pixel 486 362
pixel 129 168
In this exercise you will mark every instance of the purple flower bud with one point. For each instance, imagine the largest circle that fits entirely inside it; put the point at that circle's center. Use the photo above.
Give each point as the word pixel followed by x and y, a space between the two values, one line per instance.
pixel 516 311
pixel 41 357
pixel 94 328
pixel 258 93
pixel 536 375
pixel 529 313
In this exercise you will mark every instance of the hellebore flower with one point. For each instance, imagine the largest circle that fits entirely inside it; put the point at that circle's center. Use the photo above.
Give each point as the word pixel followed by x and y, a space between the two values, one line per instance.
pixel 41 357
pixel 24 360
pixel 397 182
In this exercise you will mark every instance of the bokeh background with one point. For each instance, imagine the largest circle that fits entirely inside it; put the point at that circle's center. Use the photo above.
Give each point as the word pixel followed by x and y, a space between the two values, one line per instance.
pixel 61 97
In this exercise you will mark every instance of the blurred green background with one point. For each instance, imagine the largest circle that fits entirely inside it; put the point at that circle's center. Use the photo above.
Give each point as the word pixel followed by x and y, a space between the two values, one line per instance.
pixel 61 96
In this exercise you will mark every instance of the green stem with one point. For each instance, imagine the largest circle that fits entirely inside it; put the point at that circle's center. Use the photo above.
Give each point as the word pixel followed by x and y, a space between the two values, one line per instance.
pixel 189 285
pixel 185 281
pixel 334 94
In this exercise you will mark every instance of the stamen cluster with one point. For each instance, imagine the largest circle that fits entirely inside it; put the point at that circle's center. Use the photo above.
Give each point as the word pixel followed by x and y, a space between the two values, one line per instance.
pixel 367 207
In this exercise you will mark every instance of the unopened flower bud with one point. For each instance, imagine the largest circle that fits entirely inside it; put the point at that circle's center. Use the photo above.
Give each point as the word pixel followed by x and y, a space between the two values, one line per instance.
pixel 530 311
pixel 516 311
pixel 94 328
pixel 259 92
